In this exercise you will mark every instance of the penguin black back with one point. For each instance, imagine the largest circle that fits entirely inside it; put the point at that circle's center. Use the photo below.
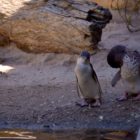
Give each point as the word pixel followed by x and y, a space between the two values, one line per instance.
pixel 115 56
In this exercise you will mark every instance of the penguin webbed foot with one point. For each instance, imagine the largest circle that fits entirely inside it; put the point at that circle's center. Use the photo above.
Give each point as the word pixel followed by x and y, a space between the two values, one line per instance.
pixel 123 98
pixel 82 103
pixel 126 96
pixel 97 103
pixel 137 98
pixel 89 103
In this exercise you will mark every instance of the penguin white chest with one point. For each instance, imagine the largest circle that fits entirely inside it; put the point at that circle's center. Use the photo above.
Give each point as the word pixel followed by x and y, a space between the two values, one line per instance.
pixel 89 87
pixel 83 73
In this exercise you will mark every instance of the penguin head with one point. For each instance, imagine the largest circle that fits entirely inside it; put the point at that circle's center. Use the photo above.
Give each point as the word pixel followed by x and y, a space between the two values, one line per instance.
pixel 115 56
pixel 85 54
pixel 84 57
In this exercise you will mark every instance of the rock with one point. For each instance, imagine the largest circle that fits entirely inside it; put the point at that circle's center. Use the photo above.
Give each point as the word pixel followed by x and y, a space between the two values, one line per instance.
pixel 121 4
pixel 4 40
pixel 54 26
pixel 101 118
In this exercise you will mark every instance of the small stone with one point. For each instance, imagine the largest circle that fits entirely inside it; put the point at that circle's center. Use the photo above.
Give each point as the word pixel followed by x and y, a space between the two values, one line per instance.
pixel 52 102
pixel 101 118
pixel 137 116
pixel 128 121
pixel 132 114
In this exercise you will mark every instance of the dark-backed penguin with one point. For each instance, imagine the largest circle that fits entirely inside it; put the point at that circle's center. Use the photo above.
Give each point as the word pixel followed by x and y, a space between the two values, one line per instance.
pixel 88 86
pixel 128 61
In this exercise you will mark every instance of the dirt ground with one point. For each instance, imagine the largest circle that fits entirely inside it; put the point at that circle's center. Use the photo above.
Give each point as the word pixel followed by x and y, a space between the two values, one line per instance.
pixel 39 91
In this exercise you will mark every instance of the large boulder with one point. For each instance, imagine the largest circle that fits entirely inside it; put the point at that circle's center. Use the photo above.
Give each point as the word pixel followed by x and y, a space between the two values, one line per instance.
pixel 62 26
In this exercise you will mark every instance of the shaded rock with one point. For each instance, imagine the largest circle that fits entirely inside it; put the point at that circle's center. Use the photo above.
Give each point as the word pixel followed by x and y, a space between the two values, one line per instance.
pixel 4 40
pixel 56 26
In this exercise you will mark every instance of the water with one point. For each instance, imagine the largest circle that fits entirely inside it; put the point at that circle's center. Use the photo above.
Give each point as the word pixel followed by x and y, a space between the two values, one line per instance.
pixel 66 135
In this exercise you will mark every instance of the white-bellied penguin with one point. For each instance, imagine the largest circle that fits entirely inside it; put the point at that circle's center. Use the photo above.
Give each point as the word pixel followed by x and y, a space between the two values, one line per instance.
pixel 128 61
pixel 88 86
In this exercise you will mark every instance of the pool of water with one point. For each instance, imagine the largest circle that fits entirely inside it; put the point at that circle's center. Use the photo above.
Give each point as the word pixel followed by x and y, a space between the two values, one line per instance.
pixel 66 135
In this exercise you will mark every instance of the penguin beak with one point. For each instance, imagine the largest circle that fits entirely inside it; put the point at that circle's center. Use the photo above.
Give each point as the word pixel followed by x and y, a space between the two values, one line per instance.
pixel 85 59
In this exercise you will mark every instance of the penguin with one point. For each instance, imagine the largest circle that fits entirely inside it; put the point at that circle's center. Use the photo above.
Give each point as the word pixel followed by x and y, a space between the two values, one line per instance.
pixel 88 86
pixel 128 62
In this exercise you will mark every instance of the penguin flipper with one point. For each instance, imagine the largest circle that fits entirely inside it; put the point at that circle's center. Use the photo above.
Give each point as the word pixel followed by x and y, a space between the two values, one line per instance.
pixel 94 76
pixel 78 88
pixel 116 78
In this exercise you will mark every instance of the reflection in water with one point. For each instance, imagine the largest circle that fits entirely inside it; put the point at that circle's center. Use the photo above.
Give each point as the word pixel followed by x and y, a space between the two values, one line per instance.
pixel 67 135
pixel 17 135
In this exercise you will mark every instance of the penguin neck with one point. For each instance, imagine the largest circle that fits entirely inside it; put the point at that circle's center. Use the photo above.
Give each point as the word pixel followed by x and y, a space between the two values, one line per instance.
pixel 81 61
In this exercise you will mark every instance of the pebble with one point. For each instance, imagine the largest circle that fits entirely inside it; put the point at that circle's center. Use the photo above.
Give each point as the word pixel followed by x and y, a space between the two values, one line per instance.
pixel 101 118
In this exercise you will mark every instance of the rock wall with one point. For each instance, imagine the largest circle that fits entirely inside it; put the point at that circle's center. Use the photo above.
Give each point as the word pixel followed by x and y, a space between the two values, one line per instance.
pixel 62 26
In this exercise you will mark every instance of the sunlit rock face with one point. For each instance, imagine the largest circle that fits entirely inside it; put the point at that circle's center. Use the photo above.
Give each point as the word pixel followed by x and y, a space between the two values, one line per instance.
pixel 110 3
pixel 64 26
pixel 121 4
